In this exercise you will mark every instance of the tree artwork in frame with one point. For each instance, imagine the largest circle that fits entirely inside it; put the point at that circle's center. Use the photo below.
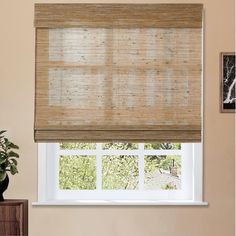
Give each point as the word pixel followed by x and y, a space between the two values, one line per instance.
pixel 228 82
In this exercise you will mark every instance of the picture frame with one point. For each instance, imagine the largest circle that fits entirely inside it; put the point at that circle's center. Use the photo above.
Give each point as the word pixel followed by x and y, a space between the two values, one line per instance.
pixel 227 82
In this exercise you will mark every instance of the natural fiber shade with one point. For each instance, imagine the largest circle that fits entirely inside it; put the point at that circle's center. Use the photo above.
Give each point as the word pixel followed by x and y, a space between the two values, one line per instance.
pixel 118 84
pixel 118 15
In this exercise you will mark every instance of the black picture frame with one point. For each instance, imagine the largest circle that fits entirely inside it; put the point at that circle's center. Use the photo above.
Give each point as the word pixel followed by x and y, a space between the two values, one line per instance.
pixel 227 82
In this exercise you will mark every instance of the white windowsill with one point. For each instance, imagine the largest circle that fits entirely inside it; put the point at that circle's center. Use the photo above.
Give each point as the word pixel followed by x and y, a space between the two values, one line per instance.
pixel 119 202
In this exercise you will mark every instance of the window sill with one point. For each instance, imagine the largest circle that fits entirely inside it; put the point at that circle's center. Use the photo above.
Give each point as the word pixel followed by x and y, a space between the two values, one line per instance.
pixel 118 202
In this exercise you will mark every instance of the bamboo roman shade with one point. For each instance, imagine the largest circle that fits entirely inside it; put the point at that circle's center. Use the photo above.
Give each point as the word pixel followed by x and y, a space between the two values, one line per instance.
pixel 118 72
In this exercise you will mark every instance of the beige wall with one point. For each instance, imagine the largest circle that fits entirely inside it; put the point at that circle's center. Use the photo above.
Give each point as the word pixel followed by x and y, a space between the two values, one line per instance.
pixel 16 115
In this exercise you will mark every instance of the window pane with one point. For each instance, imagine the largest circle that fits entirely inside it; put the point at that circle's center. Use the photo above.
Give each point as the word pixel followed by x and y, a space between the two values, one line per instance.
pixel 162 172
pixel 69 45
pixel 162 146
pixel 119 172
pixel 77 172
pixel 119 146
pixel 81 146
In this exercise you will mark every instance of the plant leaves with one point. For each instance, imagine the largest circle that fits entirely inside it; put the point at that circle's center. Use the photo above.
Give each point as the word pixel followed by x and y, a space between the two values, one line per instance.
pixel 3 154
pixel 3 175
pixel 12 145
pixel 13 154
pixel 7 156
pixel 6 140
pixel 2 131
pixel 2 161
pixel 13 169
pixel 13 161
pixel 6 143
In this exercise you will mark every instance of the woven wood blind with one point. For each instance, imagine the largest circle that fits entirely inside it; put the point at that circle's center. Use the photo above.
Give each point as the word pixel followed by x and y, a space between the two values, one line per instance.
pixel 118 72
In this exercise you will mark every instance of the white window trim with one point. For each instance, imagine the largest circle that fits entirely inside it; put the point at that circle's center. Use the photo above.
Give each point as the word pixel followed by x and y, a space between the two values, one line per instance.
pixel 49 196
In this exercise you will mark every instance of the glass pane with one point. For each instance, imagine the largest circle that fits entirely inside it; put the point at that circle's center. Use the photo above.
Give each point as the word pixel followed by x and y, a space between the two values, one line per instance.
pixel 162 172
pixel 83 46
pixel 77 172
pixel 162 146
pixel 119 172
pixel 75 146
pixel 119 146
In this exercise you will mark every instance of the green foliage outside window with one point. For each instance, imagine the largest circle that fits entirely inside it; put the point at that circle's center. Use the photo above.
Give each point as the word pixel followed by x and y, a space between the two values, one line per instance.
pixel 77 172
pixel 120 146
pixel 162 146
pixel 118 172
pixel 78 146
pixel 162 162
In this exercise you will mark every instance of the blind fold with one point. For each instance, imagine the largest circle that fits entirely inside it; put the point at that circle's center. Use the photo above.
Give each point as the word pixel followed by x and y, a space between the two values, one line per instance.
pixel 104 73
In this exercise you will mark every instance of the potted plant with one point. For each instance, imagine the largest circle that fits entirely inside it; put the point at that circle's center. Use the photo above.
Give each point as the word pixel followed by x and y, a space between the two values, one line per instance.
pixel 8 162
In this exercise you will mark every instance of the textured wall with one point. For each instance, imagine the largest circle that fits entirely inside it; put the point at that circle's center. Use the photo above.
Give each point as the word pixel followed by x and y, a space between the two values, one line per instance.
pixel 17 110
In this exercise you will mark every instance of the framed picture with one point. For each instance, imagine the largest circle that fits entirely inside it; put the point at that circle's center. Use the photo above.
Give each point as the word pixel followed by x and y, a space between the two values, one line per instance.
pixel 228 82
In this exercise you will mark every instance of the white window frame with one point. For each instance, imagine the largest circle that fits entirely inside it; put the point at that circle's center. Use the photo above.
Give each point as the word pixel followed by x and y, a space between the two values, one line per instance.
pixel 191 181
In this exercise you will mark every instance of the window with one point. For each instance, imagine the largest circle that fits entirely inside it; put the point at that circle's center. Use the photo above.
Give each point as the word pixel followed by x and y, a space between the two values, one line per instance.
pixel 118 102
pixel 119 173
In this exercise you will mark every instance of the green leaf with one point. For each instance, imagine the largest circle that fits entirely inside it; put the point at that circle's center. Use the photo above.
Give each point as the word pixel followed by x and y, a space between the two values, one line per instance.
pixel 6 143
pixel 6 140
pixel 13 154
pixel 13 169
pixel 2 161
pixel 12 145
pixel 2 131
pixel 13 161
pixel 3 175
pixel 3 154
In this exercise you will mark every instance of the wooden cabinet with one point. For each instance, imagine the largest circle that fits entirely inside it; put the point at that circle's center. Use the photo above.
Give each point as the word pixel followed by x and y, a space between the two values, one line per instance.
pixel 14 218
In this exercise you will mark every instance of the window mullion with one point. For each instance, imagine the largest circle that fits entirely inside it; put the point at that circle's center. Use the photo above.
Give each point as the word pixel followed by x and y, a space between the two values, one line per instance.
pixel 187 169
pixel 53 170
pixel 141 165
pixel 57 166
pixel 99 166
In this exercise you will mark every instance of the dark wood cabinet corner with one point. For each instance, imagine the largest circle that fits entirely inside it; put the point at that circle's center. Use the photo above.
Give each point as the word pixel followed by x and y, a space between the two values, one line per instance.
pixel 14 217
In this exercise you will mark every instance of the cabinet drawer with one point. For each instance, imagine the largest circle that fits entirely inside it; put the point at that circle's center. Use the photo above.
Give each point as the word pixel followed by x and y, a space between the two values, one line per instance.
pixel 14 217
pixel 10 213
pixel 10 228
